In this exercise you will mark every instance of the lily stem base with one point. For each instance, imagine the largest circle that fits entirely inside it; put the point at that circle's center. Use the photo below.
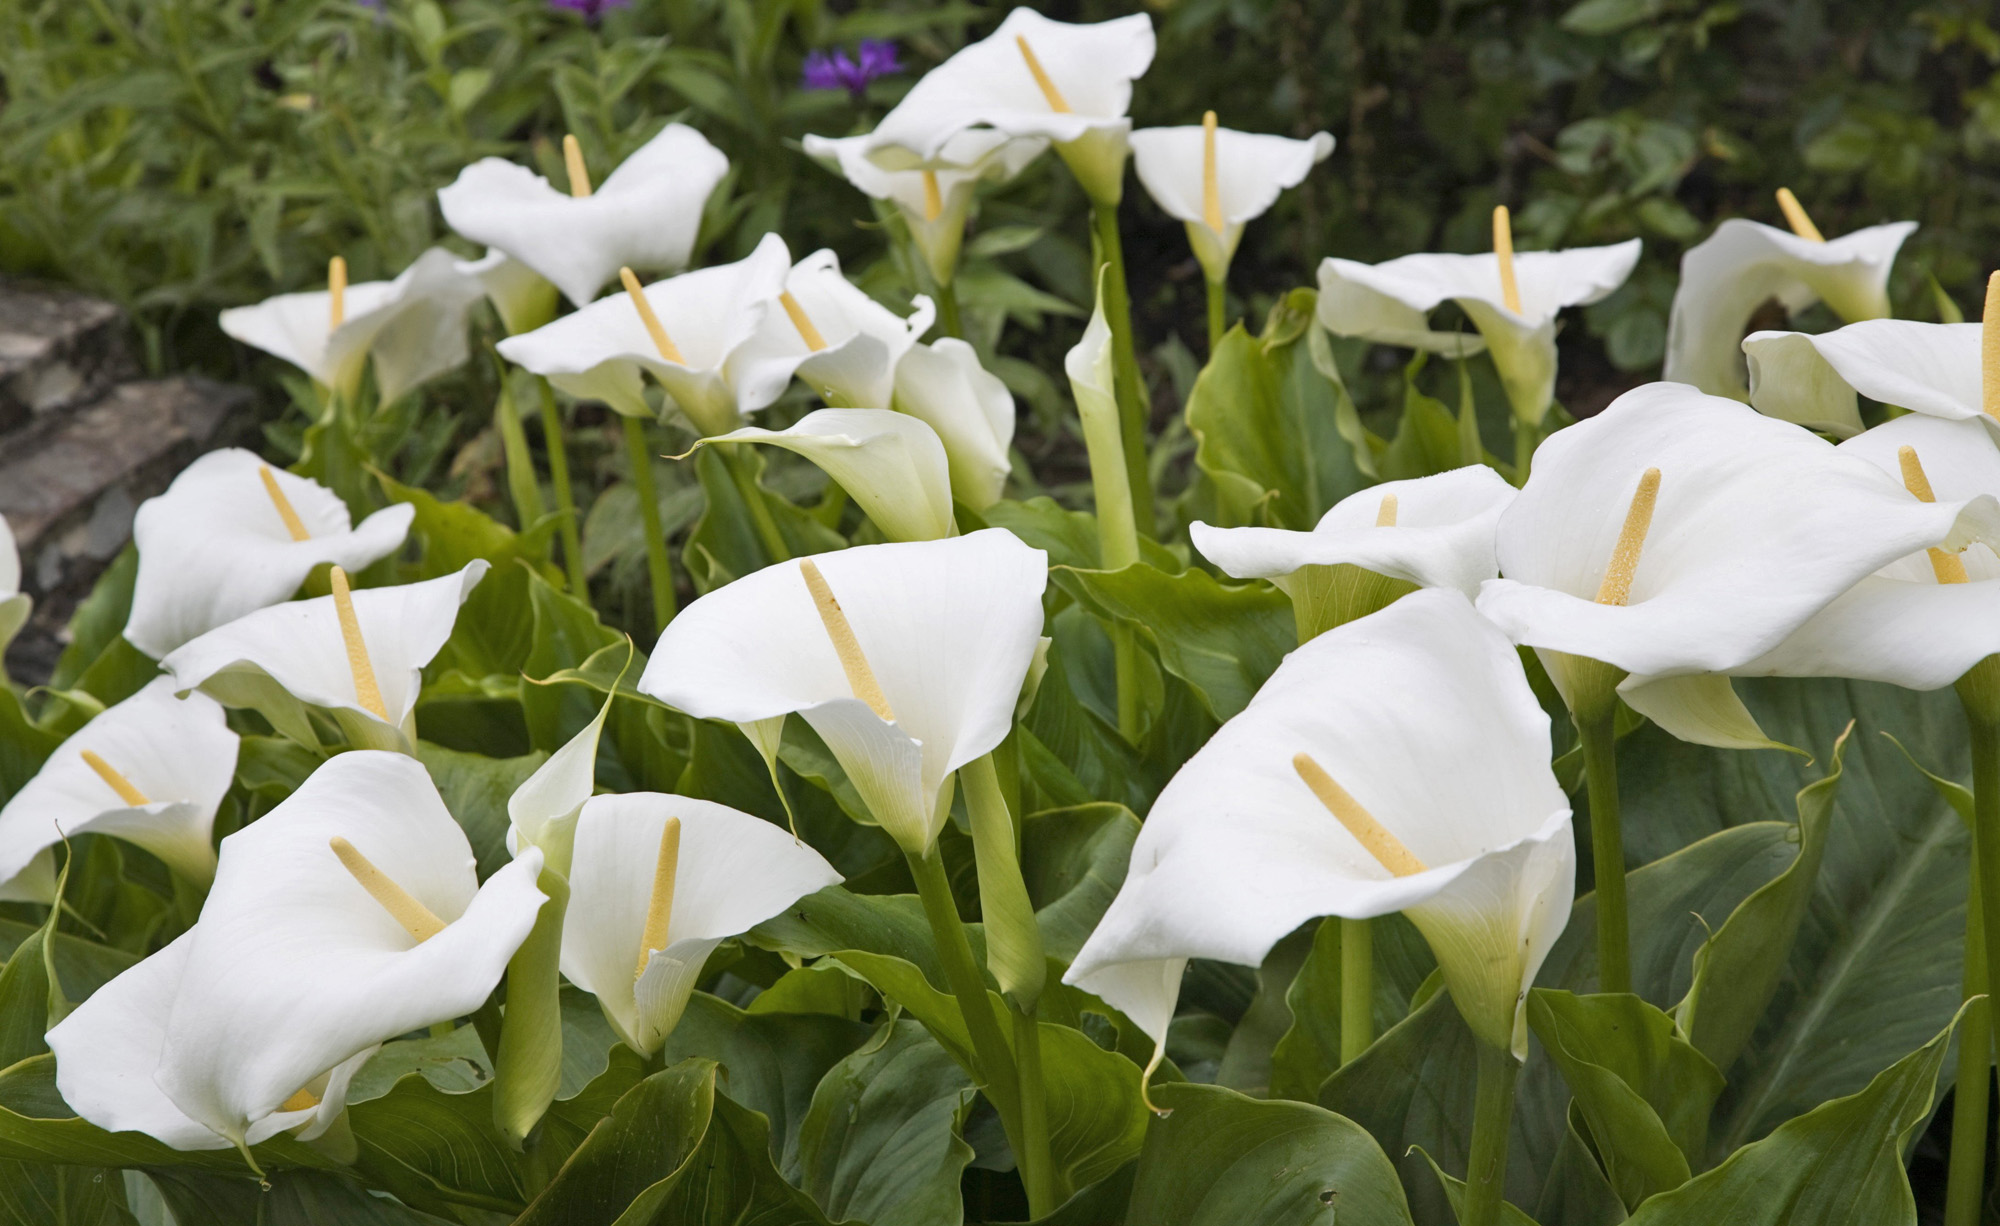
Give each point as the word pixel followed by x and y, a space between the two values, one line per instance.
pixel 1218 318
pixel 1357 987
pixel 659 567
pixel 1965 1179
pixel 1607 848
pixel 1492 1117
pixel 568 527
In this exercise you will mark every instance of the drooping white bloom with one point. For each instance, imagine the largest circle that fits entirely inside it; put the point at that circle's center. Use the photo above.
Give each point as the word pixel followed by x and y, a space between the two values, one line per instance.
pixel 939 637
pixel 1434 531
pixel 933 202
pixel 892 463
pixel 729 872
pixel 834 336
pixel 708 317
pixel 1217 179
pixel 1387 303
pixel 233 534
pixel 15 605
pixel 1728 275
pixel 278 658
pixel 1811 379
pixel 646 214
pixel 971 410
pixel 1420 725
pixel 413 326
pixel 150 770
pixel 252 1022
pixel 1033 77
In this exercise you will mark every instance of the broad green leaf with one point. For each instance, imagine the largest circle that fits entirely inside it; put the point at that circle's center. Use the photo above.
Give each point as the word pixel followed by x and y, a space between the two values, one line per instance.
pixel 1577 1192
pixel 475 788
pixel 1073 861
pixel 1072 755
pixel 98 661
pixel 83 966
pixel 24 1001
pixel 881 1141
pixel 1068 537
pixel 1309 1051
pixel 434 1149
pixel 455 1063
pixel 1221 1159
pixel 726 543
pixel 36 1194
pixel 836 920
pixel 294 1198
pixel 1454 1191
pixel 23 745
pixel 566 633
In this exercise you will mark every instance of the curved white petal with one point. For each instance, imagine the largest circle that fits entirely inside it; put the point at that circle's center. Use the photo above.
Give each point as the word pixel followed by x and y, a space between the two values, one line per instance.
pixel 215 546
pixel 1350 307
pixel 1790 381
pixel 523 297
pixel 861 341
pixel 1442 537
pixel 299 645
pixel 1728 275
pixel 970 408
pixel 1423 714
pixel 646 214
pixel 294 968
pixel 892 463
pixel 1932 369
pixel 1700 708
pixel 543 810
pixel 1759 524
pixel 178 753
pixel 735 871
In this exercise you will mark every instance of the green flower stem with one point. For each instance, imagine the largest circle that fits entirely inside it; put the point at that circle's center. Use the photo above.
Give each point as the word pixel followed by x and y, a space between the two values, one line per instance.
pixel 1218 321
pixel 520 462
pixel 569 527
pixel 1036 1165
pixel 527 1071
pixel 948 317
pixel 1492 1115
pixel 1357 987
pixel 1979 691
pixel 997 1074
pixel 753 502
pixel 1526 435
pixel 1607 847
pixel 659 567
pixel 1965 1181
pixel 1124 355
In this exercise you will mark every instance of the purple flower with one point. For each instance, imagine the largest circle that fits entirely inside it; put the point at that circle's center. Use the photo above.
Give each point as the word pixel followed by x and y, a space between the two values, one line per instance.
pixel 589 10
pixel 875 57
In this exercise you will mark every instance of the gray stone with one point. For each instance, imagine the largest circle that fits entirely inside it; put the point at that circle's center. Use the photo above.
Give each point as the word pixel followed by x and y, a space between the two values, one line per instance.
pixel 58 349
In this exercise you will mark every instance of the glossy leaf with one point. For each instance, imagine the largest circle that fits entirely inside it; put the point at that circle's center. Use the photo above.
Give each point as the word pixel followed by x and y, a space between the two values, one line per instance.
pixel 881 1141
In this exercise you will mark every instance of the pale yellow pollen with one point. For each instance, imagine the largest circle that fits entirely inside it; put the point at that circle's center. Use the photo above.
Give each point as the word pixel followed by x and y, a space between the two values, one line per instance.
pixel 1616 587
pixel 414 916
pixel 660 907
pixel 1385 515
pixel 1503 248
pixel 933 197
pixel 1946 566
pixel 1211 185
pixel 366 692
pixel 286 512
pixel 336 292
pixel 654 328
pixel 119 783
pixel 301 1100
pixel 802 321
pixel 1989 349
pixel 579 174
pixel 1795 217
pixel 1387 849
pixel 860 677
pixel 1050 93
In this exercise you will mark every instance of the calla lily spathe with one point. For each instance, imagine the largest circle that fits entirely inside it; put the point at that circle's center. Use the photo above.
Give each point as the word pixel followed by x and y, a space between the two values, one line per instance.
pixel 1249 171
pixel 970 408
pixel 150 770
pixel 1728 275
pixel 842 342
pixel 1031 77
pixel 602 351
pixel 413 327
pixel 1932 369
pixel 1758 525
pixel 1422 716
pixel 645 214
pixel 892 463
pixel 524 300
pixel 935 210
pixel 733 871
pixel 219 544
pixel 15 605
pixel 253 1021
pixel 279 660
pixel 947 628
pixel 1387 303
pixel 1439 534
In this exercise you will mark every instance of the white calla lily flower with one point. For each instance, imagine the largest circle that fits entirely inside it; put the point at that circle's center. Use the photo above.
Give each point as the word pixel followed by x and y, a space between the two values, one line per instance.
pixel 1422 785
pixel 1728 275
pixel 970 408
pixel 646 214
pixel 1216 179
pixel 834 336
pixel 345 917
pixel 524 299
pixel 542 812
pixel 706 319
pixel 413 327
pixel 648 904
pixel 891 463
pixel 1434 531
pixel 906 658
pixel 15 605
pixel 1932 369
pixel 1756 525
pixel 933 202
pixel 150 770
pixel 1032 77
pixel 358 656
pixel 232 535
pixel 1387 303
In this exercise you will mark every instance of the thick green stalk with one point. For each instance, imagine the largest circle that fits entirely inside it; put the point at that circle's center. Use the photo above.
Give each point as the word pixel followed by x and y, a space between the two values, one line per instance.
pixel 571 530
pixel 1965 1181
pixel 1037 1168
pixel 1607 847
pixel 1218 321
pixel 522 487
pixel 1132 407
pixel 948 316
pixel 1357 987
pixel 997 1074
pixel 659 567
pixel 753 502
pixel 1492 1115
pixel 527 1071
